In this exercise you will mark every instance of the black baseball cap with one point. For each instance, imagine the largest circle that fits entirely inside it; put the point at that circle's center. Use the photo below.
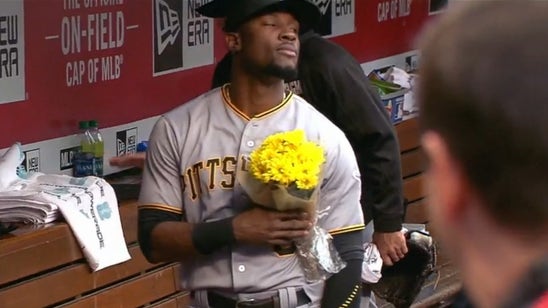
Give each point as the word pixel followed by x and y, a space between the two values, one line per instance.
pixel 237 12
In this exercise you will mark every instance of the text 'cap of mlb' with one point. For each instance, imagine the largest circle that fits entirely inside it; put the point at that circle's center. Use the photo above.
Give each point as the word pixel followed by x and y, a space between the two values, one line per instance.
pixel 237 12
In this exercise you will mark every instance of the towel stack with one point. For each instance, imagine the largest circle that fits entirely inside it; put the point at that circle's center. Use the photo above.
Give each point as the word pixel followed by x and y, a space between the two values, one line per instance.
pixel 88 204
pixel 27 204
pixel 22 200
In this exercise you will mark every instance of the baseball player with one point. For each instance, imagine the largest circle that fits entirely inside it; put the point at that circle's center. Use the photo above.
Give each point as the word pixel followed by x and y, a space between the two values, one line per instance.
pixel 194 210
pixel 333 81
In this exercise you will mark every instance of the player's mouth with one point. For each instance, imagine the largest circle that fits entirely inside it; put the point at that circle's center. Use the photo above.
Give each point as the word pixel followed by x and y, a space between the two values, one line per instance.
pixel 288 50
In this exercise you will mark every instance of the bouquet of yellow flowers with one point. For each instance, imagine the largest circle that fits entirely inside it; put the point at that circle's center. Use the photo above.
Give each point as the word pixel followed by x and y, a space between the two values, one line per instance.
pixel 290 166
pixel 285 174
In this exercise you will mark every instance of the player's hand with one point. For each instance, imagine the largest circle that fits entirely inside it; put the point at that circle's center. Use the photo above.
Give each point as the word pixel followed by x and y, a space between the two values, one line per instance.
pixel 129 160
pixel 391 245
pixel 261 226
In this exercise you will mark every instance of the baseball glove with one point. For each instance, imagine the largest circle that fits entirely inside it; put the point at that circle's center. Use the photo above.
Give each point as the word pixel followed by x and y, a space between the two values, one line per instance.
pixel 401 283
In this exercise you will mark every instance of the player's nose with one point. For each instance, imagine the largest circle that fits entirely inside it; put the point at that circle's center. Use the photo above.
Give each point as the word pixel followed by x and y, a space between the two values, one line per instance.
pixel 288 34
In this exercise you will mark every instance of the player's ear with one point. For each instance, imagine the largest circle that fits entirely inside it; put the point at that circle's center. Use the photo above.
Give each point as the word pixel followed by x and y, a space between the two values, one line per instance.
pixel 233 41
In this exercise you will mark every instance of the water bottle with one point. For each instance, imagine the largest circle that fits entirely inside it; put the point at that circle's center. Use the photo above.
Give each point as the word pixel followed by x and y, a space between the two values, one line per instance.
pixel 98 146
pixel 84 159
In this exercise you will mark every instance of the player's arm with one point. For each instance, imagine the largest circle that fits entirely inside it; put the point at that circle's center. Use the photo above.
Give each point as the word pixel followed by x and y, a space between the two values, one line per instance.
pixel 343 289
pixel 136 160
pixel 340 198
pixel 364 120
pixel 345 95
pixel 375 142
pixel 163 237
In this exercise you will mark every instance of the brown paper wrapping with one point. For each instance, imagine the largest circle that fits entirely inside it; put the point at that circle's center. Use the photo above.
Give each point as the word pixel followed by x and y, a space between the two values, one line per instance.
pixel 279 197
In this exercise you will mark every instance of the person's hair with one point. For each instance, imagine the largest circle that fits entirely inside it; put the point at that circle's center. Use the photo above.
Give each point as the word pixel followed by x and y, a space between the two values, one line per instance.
pixel 484 89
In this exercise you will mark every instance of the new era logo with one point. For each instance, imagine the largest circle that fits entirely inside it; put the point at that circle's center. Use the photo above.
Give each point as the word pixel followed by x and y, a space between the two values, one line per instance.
pixel 168 35
pixel 168 25
pixel 31 162
pixel 323 5
pixel 126 141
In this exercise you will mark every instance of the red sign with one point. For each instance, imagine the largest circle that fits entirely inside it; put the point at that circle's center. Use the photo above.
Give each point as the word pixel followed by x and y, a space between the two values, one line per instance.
pixel 93 59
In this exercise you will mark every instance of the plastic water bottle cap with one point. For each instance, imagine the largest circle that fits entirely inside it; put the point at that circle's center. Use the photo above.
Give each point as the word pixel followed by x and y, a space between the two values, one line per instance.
pixel 83 124
pixel 142 146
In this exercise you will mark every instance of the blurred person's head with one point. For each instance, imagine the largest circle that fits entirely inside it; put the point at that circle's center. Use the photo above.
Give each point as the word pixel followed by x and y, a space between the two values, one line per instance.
pixel 484 117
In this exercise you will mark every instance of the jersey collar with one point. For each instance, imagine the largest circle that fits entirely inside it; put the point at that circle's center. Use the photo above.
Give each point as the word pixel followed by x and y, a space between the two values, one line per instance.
pixel 228 102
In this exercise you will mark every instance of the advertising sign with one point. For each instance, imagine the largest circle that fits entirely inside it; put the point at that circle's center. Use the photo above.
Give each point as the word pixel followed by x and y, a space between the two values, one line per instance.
pixel 12 51
pixel 183 39
pixel 338 17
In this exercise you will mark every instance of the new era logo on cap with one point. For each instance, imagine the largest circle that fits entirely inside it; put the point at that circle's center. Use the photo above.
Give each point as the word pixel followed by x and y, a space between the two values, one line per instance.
pixel 323 5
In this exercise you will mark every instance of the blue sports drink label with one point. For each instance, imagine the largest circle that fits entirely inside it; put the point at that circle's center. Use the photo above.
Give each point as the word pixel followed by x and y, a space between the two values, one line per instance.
pixel 98 166
pixel 83 164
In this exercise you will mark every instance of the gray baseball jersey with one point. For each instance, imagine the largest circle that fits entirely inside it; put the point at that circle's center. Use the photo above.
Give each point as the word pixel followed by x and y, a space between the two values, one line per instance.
pixel 194 154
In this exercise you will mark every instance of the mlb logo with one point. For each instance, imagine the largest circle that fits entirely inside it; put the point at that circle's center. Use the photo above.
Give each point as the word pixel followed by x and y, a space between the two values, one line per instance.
pixel 66 157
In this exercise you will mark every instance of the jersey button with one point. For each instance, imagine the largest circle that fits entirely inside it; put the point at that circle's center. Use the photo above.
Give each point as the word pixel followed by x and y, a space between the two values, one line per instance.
pixel 250 143
pixel 241 268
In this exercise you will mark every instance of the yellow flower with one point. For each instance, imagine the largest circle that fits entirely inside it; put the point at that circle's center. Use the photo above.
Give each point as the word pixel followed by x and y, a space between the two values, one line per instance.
pixel 287 158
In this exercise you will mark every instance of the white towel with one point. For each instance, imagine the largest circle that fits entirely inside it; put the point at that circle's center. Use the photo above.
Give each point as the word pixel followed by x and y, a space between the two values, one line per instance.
pixel 372 264
pixel 88 204
pixel 90 207
pixel 9 161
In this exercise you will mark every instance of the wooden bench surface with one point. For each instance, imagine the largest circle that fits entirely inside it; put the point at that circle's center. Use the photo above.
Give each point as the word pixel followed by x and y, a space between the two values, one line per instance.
pixel 43 265
pixel 27 245
pixel 413 165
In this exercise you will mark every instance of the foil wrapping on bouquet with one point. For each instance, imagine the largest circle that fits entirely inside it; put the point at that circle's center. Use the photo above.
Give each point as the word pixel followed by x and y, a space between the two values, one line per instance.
pixel 317 255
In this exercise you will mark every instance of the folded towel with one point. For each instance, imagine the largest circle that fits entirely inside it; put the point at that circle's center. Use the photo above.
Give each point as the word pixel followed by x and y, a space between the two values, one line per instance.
pixel 90 207
pixel 88 204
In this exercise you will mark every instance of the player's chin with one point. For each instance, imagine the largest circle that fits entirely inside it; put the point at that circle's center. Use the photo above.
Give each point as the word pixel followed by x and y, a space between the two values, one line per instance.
pixel 288 62
pixel 286 72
